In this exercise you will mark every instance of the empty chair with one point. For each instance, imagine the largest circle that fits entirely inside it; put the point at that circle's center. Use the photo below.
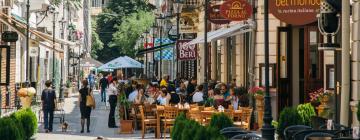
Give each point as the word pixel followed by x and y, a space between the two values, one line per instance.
pixel 243 119
pixel 146 122
pixel 231 129
pixel 301 134
pixel 344 133
pixel 230 134
pixel 319 135
pixel 344 138
pixel 250 136
pixel 291 130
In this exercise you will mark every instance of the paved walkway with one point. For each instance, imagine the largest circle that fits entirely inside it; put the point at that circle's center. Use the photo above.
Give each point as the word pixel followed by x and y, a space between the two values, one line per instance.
pixel 98 127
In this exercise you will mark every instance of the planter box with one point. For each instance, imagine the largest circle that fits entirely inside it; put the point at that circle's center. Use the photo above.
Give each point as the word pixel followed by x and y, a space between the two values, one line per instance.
pixel 126 127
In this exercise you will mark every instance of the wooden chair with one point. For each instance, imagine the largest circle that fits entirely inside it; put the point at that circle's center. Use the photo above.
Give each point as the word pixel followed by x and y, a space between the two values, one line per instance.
pixel 195 114
pixel 243 119
pixel 170 114
pixel 146 122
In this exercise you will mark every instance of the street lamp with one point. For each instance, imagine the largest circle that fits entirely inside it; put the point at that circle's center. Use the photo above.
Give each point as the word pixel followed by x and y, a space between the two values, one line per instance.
pixel 206 56
pixel 55 13
pixel 177 9
pixel 27 42
pixel 160 24
pixel 268 131
pixel 61 93
pixel 154 27
pixel 146 54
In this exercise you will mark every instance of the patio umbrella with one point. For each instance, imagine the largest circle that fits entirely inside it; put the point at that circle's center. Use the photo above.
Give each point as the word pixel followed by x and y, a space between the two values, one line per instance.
pixel 121 63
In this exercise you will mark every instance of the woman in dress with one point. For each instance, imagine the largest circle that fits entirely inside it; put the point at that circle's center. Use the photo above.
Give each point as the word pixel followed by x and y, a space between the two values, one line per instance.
pixel 85 110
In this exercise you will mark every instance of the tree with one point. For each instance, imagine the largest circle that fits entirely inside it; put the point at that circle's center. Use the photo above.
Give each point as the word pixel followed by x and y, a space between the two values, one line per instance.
pixel 96 45
pixel 130 30
pixel 110 21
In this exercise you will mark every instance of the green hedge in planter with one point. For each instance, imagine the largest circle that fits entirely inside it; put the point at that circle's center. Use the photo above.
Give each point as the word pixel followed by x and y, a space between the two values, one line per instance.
pixel 185 129
pixel 288 116
pixel 220 121
pixel 28 121
pixel 19 125
pixel 9 130
pixel 306 111
pixel 358 112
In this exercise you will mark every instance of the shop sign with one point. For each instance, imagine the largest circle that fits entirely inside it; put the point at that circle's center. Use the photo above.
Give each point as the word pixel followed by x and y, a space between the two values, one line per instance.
pixel 33 51
pixel 236 10
pixel 172 34
pixel 188 22
pixel 295 12
pixel 215 16
pixel 185 51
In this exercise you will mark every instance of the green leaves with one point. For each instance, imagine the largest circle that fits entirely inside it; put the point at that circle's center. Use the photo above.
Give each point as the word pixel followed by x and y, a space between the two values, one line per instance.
pixel 288 116
pixel 75 4
pixel 306 111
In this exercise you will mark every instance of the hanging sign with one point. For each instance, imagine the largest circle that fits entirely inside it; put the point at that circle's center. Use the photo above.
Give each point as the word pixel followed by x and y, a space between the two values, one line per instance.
pixel 236 10
pixel 172 34
pixel 185 51
pixel 33 51
pixel 295 12
pixel 215 16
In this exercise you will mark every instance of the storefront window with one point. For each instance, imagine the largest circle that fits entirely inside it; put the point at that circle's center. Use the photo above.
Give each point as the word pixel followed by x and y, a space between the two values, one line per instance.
pixel 314 56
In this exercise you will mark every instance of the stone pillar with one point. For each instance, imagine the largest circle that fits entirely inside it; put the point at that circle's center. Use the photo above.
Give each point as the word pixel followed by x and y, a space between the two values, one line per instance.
pixel 239 62
pixel 355 61
pixel 224 61
pixel 213 60
pixel 200 64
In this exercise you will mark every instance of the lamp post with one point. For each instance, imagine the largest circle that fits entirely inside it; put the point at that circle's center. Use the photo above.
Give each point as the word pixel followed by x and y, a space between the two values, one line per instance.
pixel 27 42
pixel 160 22
pixel 61 93
pixel 146 54
pixel 206 57
pixel 54 26
pixel 268 131
pixel 177 8
pixel 154 27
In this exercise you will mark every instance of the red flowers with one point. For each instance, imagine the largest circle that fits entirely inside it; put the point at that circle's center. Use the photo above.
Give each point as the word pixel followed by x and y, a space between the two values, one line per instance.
pixel 317 95
pixel 256 90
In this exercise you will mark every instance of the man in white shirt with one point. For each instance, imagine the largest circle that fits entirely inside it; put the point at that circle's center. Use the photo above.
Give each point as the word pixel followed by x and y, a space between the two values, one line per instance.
pixel 198 96
pixel 133 94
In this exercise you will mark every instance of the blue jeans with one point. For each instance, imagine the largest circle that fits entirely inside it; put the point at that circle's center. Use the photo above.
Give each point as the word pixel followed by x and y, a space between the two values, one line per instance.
pixel 103 94
pixel 48 119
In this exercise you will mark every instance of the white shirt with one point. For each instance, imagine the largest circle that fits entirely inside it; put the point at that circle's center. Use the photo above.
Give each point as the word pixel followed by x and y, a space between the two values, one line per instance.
pixel 162 100
pixel 132 96
pixel 198 97
pixel 112 90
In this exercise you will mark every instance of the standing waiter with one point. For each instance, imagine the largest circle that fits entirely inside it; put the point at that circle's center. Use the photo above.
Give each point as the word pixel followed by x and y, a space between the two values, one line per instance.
pixel 113 92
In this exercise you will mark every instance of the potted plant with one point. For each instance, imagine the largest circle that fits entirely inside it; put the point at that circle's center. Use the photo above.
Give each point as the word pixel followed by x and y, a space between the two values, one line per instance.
pixel 258 93
pixel 320 96
pixel 126 125
pixel 67 89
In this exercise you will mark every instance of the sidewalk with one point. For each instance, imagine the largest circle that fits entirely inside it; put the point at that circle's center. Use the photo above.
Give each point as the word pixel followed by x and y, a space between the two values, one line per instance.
pixel 98 127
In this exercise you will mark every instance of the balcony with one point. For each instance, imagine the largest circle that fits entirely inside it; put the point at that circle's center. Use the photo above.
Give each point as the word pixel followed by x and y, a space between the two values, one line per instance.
pixel 39 5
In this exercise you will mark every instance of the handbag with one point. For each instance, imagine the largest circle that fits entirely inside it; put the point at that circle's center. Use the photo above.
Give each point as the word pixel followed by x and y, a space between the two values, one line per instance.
pixel 90 101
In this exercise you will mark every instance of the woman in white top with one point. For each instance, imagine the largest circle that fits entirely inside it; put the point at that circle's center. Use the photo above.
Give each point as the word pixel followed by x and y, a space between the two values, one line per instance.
pixel 113 92
pixel 198 96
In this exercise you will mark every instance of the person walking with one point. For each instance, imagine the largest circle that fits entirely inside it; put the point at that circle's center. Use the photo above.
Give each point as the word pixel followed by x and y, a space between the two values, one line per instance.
pixel 103 85
pixel 84 109
pixel 113 92
pixel 91 79
pixel 48 98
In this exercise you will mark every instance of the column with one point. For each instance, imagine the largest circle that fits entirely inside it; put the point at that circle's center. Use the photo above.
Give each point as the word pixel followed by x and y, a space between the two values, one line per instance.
pixel 213 60
pixel 224 61
pixel 239 62
pixel 355 62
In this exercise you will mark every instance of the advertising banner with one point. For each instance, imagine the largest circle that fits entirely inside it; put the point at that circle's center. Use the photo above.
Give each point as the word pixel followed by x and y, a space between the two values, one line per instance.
pixel 236 10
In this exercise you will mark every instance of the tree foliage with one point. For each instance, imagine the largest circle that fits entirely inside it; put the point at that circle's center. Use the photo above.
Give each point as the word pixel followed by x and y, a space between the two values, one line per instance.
pixel 109 26
pixel 130 30
pixel 96 44
pixel 76 4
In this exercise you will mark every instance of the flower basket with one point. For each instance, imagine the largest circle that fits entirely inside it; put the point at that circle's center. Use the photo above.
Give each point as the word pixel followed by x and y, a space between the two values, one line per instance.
pixel 26 95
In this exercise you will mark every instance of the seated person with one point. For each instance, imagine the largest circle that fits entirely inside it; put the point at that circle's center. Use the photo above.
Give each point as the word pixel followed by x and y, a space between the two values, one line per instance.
pixel 175 98
pixel 198 96
pixel 233 99
pixel 140 98
pixel 163 98
pixel 218 98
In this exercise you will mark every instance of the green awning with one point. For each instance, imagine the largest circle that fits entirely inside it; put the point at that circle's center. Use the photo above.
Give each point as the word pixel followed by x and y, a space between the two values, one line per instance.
pixel 19 18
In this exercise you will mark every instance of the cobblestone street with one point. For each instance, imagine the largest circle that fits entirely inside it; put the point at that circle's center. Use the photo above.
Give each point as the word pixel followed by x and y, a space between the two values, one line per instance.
pixel 98 127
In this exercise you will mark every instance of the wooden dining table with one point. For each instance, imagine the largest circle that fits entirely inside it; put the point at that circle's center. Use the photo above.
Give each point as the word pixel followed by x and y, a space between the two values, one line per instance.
pixel 159 114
